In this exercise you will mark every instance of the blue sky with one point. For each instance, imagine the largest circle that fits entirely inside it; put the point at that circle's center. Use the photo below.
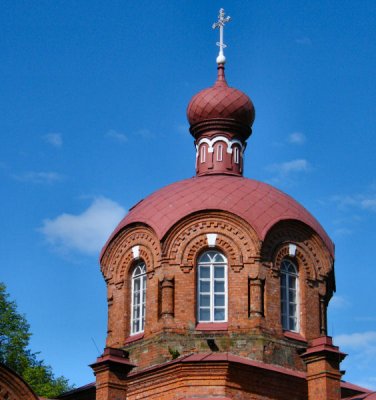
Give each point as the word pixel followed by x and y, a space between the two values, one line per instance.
pixel 93 101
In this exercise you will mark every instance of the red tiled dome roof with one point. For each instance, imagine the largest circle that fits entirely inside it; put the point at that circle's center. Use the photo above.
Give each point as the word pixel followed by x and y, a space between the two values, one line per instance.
pixel 221 102
pixel 257 203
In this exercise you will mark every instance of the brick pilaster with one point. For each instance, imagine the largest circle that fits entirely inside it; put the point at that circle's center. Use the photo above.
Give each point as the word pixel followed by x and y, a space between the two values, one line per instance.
pixel 323 359
pixel 111 369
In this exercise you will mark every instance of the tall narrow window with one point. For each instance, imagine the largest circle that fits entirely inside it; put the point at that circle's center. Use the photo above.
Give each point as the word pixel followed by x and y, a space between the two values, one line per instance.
pixel 236 155
pixel 289 296
pixel 219 152
pixel 212 287
pixel 138 298
pixel 202 154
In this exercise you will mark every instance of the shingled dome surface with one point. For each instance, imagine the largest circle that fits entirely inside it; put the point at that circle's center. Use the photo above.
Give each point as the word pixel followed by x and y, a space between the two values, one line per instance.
pixel 259 204
pixel 221 102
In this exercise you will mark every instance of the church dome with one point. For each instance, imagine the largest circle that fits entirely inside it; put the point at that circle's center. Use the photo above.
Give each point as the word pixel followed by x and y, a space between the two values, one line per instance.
pixel 221 103
pixel 259 204
pixel 220 268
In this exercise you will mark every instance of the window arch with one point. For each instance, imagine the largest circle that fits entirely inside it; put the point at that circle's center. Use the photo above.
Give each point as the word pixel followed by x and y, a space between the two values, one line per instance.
pixel 212 287
pixel 138 298
pixel 289 296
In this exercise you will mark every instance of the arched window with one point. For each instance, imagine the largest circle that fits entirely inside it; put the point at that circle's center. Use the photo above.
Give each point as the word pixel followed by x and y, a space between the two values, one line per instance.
pixel 236 155
pixel 203 154
pixel 289 296
pixel 138 298
pixel 220 152
pixel 212 287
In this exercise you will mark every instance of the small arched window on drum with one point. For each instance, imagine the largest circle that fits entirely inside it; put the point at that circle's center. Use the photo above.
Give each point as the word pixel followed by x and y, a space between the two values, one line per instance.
pixel 236 155
pixel 202 154
pixel 220 152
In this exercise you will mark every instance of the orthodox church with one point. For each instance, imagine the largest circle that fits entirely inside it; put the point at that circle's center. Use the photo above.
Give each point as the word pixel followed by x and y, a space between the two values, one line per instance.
pixel 218 285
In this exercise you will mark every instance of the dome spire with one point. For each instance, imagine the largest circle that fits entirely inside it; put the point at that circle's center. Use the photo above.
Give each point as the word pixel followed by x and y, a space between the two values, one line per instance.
pixel 221 79
pixel 220 120
pixel 220 24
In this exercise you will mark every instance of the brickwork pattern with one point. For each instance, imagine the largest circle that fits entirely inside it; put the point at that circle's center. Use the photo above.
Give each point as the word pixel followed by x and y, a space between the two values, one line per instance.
pixel 254 325
pixel 253 330
pixel 13 387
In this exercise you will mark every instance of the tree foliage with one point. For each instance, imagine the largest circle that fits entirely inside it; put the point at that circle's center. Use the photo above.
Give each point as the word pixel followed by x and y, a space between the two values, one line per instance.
pixel 14 352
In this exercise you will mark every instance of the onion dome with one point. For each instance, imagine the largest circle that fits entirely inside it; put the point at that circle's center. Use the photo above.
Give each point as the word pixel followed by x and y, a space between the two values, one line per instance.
pixel 220 120
pixel 221 107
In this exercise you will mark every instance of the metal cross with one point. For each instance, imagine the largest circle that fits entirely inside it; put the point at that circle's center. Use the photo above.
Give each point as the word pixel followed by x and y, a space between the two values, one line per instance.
pixel 222 20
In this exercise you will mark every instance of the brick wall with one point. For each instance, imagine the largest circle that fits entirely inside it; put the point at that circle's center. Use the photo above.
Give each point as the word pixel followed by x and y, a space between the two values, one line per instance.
pixel 253 329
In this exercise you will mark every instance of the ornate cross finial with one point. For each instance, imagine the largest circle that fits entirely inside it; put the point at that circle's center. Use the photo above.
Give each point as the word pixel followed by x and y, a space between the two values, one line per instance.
pixel 222 20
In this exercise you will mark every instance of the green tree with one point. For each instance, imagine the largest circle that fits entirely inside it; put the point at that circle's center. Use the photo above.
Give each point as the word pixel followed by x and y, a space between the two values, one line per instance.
pixel 14 352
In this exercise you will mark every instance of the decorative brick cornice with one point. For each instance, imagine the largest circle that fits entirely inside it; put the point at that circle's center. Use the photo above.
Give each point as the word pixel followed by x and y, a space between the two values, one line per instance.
pixel 119 256
pixel 322 346
pixel 303 258
pixel 112 359
pixel 311 252
pixel 188 238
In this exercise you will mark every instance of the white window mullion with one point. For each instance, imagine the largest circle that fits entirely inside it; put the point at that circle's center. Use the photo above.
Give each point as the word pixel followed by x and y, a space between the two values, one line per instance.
pixel 132 307
pixel 142 302
pixel 211 293
pixel 226 295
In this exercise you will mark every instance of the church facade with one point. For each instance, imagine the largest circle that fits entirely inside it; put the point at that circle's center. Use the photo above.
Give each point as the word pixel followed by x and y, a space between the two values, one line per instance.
pixel 218 285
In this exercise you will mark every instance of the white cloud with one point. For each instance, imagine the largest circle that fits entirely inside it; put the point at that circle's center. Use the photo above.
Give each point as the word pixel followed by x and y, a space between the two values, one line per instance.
pixel 363 201
pixel 119 137
pixel 285 172
pixel 54 139
pixel 38 177
pixel 338 302
pixel 361 347
pixel 86 232
pixel 343 231
pixel 344 200
pixel 296 138
pixel 289 166
pixel 369 203
pixel 358 341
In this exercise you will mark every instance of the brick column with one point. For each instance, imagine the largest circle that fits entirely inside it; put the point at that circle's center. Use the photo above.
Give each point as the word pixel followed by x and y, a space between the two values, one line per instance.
pixel 117 315
pixel 110 370
pixel 323 319
pixel 323 359
pixel 167 296
pixel 256 305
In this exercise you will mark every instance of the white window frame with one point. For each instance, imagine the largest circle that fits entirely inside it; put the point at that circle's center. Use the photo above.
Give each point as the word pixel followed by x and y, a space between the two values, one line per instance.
pixel 236 155
pixel 289 319
pixel 211 279
pixel 202 154
pixel 220 152
pixel 138 275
